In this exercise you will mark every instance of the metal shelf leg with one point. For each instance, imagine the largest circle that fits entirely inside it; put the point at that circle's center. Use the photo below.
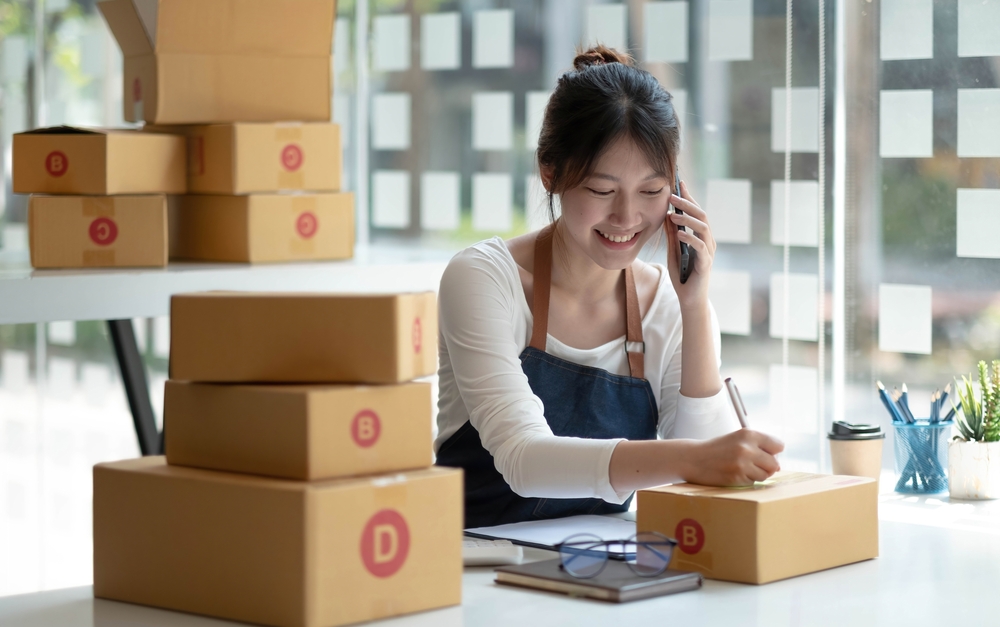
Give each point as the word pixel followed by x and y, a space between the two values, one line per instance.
pixel 136 386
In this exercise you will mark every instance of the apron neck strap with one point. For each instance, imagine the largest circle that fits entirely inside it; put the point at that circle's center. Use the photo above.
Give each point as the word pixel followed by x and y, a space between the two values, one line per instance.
pixel 541 284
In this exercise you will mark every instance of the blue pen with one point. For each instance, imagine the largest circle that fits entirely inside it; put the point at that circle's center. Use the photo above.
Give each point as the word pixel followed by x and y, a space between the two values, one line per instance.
pixel 905 405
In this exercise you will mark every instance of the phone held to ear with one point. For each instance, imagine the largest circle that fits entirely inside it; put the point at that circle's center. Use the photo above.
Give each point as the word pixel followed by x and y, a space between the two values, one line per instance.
pixel 687 253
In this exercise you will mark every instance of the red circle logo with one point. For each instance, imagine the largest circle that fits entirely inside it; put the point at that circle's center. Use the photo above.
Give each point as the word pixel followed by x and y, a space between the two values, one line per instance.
pixel 385 543
pixel 291 157
pixel 56 163
pixel 418 335
pixel 365 428
pixel 306 224
pixel 690 536
pixel 103 231
pixel 137 90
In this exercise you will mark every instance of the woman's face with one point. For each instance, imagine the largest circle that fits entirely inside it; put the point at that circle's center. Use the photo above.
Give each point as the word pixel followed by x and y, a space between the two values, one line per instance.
pixel 614 212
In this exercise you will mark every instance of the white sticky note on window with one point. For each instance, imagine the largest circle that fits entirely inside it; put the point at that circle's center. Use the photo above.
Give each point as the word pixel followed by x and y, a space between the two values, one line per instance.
pixel 978 223
pixel 727 202
pixel 907 29
pixel 441 41
pixel 534 110
pixel 15 58
pixel 730 30
pixel 666 36
pixel 906 123
pixel 803 209
pixel 794 398
pixel 979 122
pixel 978 25
pixel 62 332
pixel 729 293
pixel 803 293
pixel 493 120
pixel 392 42
pixel 492 197
pixel 61 381
pixel 391 121
pixel 14 371
pixel 904 318
pixel 391 199
pixel 440 201
pixel 493 39
pixel 341 44
pixel 805 119
pixel 606 25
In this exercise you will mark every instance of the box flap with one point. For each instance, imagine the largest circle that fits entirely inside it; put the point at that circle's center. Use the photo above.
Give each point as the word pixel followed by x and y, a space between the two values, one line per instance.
pixel 127 26
pixel 148 11
pixel 782 485
pixel 66 130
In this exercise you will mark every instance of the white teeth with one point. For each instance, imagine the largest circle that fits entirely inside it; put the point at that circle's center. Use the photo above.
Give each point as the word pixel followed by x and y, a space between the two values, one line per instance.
pixel 618 239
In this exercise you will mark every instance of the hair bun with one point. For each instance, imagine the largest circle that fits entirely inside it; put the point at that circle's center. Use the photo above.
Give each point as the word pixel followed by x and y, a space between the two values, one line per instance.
pixel 600 55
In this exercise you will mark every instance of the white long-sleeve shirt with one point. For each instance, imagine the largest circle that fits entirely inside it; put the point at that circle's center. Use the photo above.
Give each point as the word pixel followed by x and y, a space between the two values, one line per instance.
pixel 485 324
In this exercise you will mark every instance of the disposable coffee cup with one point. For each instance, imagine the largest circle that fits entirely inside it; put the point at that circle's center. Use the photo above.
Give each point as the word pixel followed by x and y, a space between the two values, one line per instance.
pixel 856 449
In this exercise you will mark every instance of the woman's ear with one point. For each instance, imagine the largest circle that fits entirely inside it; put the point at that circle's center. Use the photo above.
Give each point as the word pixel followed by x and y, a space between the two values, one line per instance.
pixel 546 172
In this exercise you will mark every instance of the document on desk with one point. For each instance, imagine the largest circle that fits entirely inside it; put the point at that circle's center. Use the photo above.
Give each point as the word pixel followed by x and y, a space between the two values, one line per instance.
pixel 545 534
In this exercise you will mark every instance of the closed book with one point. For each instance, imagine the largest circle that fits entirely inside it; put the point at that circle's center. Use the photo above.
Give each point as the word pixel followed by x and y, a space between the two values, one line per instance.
pixel 616 583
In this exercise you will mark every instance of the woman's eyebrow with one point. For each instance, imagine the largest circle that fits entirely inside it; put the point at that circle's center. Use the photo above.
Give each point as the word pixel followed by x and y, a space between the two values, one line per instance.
pixel 611 177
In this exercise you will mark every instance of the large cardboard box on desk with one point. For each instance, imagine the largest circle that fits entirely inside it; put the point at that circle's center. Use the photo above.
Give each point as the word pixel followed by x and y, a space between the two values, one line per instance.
pixel 262 227
pixel 277 552
pixel 305 432
pixel 792 524
pixel 69 160
pixel 97 231
pixel 199 61
pixel 308 338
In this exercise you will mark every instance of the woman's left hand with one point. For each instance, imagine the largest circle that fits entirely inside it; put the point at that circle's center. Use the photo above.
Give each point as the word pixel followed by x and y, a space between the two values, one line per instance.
pixel 694 292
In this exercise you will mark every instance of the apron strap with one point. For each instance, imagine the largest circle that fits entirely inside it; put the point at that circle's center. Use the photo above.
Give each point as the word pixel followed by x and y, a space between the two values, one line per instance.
pixel 541 285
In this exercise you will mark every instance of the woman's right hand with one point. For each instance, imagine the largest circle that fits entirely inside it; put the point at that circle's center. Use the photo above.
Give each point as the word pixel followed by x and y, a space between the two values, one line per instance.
pixel 735 459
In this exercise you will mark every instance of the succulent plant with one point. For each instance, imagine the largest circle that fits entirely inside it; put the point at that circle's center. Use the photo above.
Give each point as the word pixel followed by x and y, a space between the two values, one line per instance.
pixel 980 419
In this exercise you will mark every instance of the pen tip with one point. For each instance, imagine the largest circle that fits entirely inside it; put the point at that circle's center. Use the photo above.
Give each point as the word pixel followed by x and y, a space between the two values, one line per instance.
pixel 879 384
pixel 904 388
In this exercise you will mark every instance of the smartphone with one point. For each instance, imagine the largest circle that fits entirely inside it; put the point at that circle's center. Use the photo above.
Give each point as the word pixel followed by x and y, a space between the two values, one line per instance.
pixel 687 253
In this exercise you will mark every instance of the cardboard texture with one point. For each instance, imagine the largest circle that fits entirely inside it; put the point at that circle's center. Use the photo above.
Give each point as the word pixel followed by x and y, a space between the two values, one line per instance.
pixel 262 227
pixel 68 160
pixel 97 231
pixel 307 338
pixel 297 431
pixel 276 552
pixel 191 61
pixel 792 524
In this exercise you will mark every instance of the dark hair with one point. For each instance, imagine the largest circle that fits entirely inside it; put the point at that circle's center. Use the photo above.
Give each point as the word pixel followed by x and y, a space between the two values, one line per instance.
pixel 604 97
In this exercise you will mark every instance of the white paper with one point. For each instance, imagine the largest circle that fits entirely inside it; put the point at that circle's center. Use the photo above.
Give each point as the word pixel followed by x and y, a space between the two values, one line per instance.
pixel 729 293
pixel 727 202
pixel 493 120
pixel 904 318
pixel 161 336
pixel 14 370
pixel 978 25
pixel 492 198
pixel 534 114
pixel 441 41
pixel 906 123
pixel 803 210
pixel 730 30
pixel 392 42
pixel 548 533
pixel 794 400
pixel 493 39
pixel 979 122
pixel 341 44
pixel 391 199
pixel 391 121
pixel 15 58
pixel 537 203
pixel 440 201
pixel 803 293
pixel 666 37
pixel 978 223
pixel 61 382
pixel 805 119
pixel 907 29
pixel 606 25
pixel 62 332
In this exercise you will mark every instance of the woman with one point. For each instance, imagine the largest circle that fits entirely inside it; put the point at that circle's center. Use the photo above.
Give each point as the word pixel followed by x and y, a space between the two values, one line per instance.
pixel 561 360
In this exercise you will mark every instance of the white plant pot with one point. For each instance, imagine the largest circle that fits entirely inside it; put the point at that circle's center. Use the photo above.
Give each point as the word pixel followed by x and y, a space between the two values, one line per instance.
pixel 974 470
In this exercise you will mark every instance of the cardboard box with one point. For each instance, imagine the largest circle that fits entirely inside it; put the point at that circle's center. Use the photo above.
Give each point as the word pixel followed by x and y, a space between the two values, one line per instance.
pixel 68 160
pixel 192 61
pixel 277 552
pixel 304 432
pixel 97 231
pixel 262 228
pixel 792 524
pixel 308 338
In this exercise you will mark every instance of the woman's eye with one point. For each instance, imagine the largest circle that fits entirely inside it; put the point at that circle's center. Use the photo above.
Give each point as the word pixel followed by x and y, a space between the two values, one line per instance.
pixel 653 192
pixel 600 192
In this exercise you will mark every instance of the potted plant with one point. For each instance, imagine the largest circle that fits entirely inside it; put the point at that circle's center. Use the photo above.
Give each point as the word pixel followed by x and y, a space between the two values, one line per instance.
pixel 974 454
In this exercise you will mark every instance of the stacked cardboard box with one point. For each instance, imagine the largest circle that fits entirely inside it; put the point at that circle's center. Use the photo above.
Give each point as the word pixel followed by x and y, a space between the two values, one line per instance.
pixel 308 504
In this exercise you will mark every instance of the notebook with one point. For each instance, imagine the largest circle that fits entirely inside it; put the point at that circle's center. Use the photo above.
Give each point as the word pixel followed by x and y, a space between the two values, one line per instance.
pixel 616 583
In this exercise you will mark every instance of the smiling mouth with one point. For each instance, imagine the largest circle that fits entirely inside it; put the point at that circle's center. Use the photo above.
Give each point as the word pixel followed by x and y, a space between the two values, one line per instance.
pixel 618 239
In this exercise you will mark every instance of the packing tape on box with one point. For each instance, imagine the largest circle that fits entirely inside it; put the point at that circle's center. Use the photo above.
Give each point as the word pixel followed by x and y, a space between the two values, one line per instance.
pixel 98 258
pixel 97 207
pixel 384 495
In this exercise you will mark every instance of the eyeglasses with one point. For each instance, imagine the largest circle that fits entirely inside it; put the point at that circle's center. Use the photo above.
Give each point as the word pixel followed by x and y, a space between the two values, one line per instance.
pixel 584 555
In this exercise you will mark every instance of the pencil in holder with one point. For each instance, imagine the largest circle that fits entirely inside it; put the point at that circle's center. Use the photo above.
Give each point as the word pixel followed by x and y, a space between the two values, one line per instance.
pixel 922 456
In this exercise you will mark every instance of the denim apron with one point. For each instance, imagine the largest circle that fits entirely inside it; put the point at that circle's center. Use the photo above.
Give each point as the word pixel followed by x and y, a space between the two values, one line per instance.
pixel 579 401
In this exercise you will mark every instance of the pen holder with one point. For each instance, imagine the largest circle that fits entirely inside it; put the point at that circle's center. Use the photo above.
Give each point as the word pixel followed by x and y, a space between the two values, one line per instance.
pixel 922 457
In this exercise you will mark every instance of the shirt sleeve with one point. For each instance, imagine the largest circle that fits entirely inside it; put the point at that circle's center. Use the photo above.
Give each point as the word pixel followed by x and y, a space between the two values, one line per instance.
pixel 477 309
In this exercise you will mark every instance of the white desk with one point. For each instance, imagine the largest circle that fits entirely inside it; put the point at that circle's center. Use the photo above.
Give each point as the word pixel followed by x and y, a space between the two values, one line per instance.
pixel 943 570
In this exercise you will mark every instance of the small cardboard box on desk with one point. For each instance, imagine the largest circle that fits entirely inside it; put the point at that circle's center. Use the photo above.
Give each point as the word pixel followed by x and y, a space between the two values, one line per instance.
pixel 792 524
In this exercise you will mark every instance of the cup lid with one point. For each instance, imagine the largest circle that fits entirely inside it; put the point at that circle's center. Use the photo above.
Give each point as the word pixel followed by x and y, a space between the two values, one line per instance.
pixel 848 431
